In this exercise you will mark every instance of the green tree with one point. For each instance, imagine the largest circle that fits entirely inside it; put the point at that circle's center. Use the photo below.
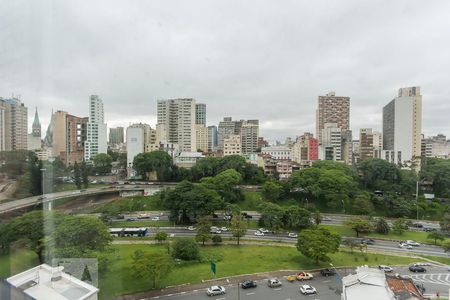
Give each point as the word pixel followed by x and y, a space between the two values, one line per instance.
pixel 238 227
pixel 379 174
pixel 381 226
pixel 226 183
pixel 297 217
pixel 317 243
pixel 317 216
pixel 156 161
pixel 272 216
pixel 187 201
pixel 445 222
pixel 102 164
pixel 152 266
pixel 362 205
pixel 77 175
pixel 359 225
pixel 161 236
pixel 437 172
pixel 185 249
pixel 399 226
pixel 203 229
pixel 272 190
pixel 14 163
pixel 84 171
pixel 435 235
pixel 77 236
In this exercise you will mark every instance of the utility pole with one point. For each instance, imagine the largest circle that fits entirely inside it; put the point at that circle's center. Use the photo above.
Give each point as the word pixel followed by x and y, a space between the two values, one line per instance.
pixel 417 200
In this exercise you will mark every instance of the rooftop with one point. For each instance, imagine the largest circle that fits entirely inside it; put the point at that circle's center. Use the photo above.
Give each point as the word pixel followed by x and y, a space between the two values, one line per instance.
pixel 45 282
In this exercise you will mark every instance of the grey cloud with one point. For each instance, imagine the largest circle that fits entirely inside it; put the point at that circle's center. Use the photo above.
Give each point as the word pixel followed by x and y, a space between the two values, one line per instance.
pixel 246 59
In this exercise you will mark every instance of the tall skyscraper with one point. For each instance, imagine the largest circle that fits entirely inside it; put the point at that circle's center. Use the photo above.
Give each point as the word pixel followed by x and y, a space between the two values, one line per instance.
pixel 212 138
pixel 116 135
pixel 402 126
pixel 249 136
pixel 176 123
pixel 96 129
pixel 200 114
pixel 13 124
pixel 366 146
pixel 332 109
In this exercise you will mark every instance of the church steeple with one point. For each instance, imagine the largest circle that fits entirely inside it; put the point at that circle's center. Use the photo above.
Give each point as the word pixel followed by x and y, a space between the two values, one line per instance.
pixel 36 128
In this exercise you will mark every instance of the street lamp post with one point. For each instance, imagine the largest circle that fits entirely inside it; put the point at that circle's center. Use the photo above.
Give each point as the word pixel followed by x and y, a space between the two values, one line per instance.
pixel 45 205
pixel 417 200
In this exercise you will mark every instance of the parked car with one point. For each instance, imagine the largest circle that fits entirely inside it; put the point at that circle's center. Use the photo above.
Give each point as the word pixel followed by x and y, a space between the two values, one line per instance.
pixel 274 282
pixel 215 290
pixel 404 246
pixel 292 235
pixel 248 284
pixel 412 243
pixel 263 230
pixel 259 233
pixel 327 272
pixel 368 241
pixel 307 290
pixel 304 276
pixel 385 268
pixel 416 269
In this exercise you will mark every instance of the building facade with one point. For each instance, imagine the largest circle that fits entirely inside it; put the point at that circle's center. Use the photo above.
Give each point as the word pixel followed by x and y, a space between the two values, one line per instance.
pixel 226 128
pixel 332 109
pixel 249 136
pixel 402 126
pixel 232 145
pixel 212 138
pixel 436 146
pixel 202 138
pixel 277 152
pixel 96 129
pixel 200 114
pixel 116 135
pixel 331 147
pixel 13 124
pixel 135 144
pixel 366 146
pixel 176 120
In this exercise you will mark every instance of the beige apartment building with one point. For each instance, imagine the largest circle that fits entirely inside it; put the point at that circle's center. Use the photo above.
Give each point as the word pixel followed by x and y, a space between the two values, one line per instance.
pixel 232 145
pixel 13 124
pixel 332 109
pixel 201 138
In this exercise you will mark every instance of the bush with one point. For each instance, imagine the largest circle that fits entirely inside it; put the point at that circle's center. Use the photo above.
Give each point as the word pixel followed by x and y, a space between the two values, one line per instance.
pixel 185 249
pixel 216 239
pixel 381 226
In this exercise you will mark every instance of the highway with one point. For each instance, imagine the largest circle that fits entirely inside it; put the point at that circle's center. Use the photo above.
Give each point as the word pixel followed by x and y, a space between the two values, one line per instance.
pixel 380 245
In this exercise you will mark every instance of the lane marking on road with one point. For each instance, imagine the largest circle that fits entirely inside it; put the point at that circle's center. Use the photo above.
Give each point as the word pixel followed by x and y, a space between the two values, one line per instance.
pixel 221 298
pixel 248 294
pixel 326 281
pixel 195 290
pixel 183 293
pixel 277 289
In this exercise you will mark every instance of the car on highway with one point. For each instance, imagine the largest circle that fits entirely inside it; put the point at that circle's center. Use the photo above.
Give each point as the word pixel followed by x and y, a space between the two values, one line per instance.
pixel 412 243
pixel 304 276
pixel 421 264
pixel 215 229
pixel 248 284
pixel 155 218
pixel 263 230
pixel 292 235
pixel 223 229
pixel 417 269
pixel 215 290
pixel 273 282
pixel 191 228
pixel 385 268
pixel 259 233
pixel 326 219
pixel 368 241
pixel 404 246
pixel 227 217
pixel 307 290
pixel 327 272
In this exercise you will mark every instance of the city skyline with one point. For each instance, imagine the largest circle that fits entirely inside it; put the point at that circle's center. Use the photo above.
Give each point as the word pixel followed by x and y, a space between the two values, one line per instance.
pixel 240 64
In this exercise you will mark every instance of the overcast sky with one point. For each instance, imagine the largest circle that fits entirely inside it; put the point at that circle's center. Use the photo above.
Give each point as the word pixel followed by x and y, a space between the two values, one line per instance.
pixel 267 60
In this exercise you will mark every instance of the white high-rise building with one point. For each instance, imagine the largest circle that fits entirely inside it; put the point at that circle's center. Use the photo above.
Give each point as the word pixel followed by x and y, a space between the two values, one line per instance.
pixel 331 148
pixel 176 123
pixel 96 141
pixel 402 125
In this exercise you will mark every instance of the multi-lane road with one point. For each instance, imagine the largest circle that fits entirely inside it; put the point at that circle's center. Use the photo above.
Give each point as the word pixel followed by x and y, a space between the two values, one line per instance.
pixel 437 279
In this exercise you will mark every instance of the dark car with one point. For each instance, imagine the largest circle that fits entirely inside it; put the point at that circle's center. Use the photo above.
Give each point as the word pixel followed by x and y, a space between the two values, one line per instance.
pixel 417 269
pixel 248 284
pixel 367 241
pixel 327 272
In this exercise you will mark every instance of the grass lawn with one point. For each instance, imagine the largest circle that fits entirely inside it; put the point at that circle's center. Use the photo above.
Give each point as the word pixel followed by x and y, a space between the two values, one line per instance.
pixel 230 260
pixel 417 236
pixel 17 261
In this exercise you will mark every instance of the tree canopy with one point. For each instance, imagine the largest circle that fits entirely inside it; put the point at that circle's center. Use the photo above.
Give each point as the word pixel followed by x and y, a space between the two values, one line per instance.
pixel 317 243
